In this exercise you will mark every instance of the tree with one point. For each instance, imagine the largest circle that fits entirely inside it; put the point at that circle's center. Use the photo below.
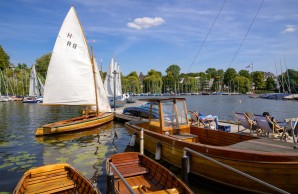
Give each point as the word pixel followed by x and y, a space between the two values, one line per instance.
pixel 242 83
pixel 258 80
pixel 153 82
pixel 22 66
pixel 4 59
pixel 244 73
pixel 131 83
pixel 173 72
pixel 229 75
pixel 270 84
pixel 42 64
pixel 211 72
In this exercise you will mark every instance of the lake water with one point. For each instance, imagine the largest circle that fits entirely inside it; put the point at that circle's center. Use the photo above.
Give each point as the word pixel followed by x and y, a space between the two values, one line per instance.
pixel 87 150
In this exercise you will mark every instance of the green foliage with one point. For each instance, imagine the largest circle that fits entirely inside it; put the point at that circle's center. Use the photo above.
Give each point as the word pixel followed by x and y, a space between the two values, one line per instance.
pixel 131 83
pixel 4 59
pixel 270 84
pixel 242 84
pixel 211 72
pixel 42 64
pixel 153 82
pixel 244 73
pixel 22 66
pixel 258 80
pixel 229 75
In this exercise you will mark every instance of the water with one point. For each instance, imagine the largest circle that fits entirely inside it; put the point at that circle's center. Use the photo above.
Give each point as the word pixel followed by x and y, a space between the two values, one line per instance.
pixel 87 150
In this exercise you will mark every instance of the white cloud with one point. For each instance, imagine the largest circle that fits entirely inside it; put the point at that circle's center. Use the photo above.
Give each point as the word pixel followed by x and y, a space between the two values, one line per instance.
pixel 289 28
pixel 145 22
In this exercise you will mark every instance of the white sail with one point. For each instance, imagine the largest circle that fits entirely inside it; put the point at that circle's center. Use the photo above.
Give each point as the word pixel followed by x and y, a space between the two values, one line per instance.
pixel 109 80
pixel 102 99
pixel 70 78
pixel 35 84
pixel 118 80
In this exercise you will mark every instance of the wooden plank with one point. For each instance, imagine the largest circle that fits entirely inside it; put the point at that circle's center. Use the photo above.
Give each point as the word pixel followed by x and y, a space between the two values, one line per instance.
pixel 51 186
pixel 41 179
pixel 131 170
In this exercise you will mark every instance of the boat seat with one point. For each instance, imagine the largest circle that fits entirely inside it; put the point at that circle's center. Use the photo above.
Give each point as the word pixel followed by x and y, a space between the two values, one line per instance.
pixel 51 186
pixel 129 166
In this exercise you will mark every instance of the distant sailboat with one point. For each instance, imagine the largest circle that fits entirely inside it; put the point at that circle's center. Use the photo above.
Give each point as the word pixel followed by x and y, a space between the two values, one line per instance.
pixel 73 79
pixel 109 84
pixel 36 88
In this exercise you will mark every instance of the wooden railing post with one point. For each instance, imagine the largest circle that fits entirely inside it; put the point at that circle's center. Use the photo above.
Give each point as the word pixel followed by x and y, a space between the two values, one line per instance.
pixel 142 141
pixel 110 182
pixel 185 167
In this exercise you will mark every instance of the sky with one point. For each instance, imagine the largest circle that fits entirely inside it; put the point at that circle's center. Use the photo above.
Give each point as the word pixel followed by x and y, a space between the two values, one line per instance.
pixel 154 34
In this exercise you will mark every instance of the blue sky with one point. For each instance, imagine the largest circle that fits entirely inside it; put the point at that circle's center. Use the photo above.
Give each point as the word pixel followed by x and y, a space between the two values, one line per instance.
pixel 154 34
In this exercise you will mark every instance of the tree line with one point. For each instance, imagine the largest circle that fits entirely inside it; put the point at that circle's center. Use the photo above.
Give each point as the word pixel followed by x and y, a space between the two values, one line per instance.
pixel 14 79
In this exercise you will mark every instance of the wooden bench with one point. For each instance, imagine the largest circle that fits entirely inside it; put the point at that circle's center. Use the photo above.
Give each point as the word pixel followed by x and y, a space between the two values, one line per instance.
pixel 129 165
pixel 49 182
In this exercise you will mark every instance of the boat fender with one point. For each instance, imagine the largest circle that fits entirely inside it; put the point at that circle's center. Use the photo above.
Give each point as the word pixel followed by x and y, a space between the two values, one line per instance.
pixel 133 140
pixel 158 151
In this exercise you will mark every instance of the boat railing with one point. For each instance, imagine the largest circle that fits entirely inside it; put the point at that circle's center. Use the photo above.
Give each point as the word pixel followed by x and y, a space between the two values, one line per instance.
pixel 113 168
pixel 186 169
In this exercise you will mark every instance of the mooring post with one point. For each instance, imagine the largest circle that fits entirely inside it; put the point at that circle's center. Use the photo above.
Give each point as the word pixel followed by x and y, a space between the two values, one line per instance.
pixel 185 167
pixel 142 141
pixel 110 182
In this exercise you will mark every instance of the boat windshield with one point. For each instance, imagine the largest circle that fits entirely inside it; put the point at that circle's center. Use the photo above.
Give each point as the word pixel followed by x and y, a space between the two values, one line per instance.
pixel 174 116
pixel 182 115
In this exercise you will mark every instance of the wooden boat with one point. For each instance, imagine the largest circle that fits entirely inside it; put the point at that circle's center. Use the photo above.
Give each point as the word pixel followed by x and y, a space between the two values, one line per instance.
pixel 73 79
pixel 144 175
pixel 55 178
pixel 272 161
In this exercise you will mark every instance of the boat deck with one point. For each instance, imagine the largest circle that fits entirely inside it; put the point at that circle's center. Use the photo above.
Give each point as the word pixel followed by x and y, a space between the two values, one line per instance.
pixel 265 145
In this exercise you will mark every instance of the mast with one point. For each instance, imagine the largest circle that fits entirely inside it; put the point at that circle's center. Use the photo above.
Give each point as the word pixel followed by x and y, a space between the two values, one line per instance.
pixel 94 80
pixel 282 79
pixel 288 84
pixel 279 84
pixel 91 61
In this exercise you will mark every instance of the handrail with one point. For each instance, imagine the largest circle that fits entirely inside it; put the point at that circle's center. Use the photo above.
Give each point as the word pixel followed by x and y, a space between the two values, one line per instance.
pixel 121 177
pixel 185 150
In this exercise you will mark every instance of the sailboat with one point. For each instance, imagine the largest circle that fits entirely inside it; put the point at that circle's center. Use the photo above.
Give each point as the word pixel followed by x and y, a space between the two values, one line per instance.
pixel 113 86
pixel 36 88
pixel 73 79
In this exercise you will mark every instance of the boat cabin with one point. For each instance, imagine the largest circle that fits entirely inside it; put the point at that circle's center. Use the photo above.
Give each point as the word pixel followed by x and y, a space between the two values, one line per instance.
pixel 172 119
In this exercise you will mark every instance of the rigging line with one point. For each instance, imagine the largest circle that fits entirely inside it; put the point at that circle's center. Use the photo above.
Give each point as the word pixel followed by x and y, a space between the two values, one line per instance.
pixel 206 36
pixel 246 33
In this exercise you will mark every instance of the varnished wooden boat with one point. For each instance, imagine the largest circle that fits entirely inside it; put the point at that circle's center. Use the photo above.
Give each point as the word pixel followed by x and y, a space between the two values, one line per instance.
pixel 144 175
pixel 55 178
pixel 75 124
pixel 272 161
pixel 73 79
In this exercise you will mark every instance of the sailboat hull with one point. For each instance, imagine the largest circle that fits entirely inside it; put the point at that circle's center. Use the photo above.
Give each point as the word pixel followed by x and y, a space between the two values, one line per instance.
pixel 74 124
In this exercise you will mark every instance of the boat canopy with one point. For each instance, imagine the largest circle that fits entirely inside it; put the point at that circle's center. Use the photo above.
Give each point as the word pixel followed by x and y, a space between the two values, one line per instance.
pixel 172 115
